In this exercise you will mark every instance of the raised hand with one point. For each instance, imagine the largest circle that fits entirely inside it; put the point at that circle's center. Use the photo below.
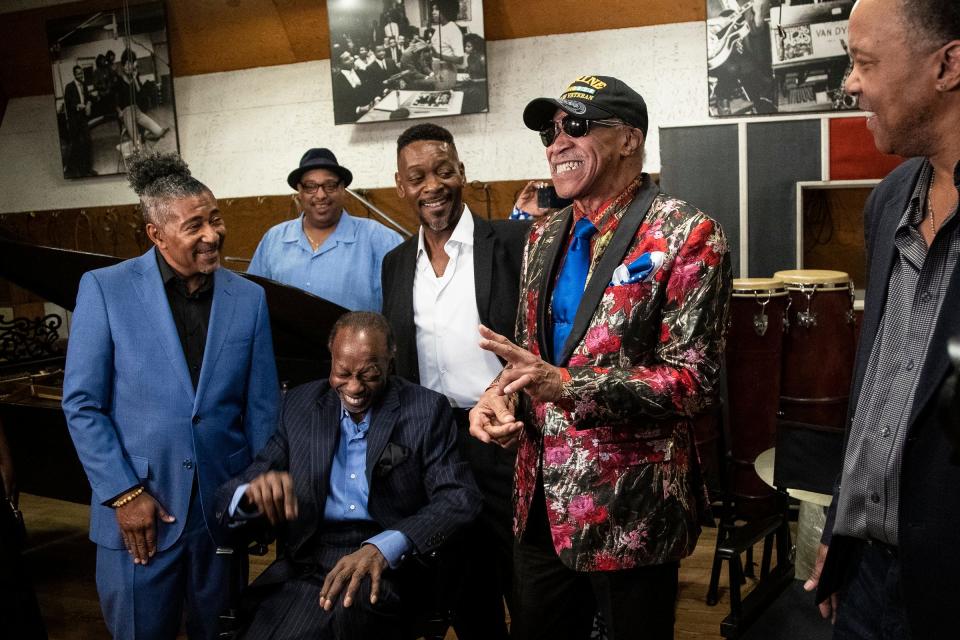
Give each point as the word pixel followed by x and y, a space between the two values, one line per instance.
pixel 272 494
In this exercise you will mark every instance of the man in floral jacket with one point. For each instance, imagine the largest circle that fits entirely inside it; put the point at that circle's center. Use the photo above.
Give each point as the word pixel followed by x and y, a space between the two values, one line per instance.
pixel 623 302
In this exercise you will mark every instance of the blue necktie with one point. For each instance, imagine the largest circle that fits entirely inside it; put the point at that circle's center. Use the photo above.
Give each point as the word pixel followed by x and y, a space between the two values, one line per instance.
pixel 570 284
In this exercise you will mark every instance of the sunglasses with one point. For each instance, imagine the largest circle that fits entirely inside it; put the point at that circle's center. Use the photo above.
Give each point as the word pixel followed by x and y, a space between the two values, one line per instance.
pixel 573 127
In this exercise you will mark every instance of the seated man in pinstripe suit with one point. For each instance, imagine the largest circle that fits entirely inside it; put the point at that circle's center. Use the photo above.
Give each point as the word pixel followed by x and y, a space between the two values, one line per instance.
pixel 362 473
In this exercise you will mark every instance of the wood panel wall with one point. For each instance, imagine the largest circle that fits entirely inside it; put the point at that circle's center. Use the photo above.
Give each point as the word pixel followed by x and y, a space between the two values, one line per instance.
pixel 208 36
pixel 118 230
pixel 833 231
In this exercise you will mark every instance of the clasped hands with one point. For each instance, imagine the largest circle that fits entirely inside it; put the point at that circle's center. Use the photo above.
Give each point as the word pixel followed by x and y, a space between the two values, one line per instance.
pixel 273 495
pixel 493 419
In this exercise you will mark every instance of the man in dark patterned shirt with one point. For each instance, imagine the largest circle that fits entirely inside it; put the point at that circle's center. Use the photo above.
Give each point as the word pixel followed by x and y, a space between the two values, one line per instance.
pixel 623 300
pixel 890 564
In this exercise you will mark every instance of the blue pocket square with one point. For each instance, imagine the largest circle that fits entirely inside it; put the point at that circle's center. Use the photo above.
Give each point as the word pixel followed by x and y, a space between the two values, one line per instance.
pixel 641 269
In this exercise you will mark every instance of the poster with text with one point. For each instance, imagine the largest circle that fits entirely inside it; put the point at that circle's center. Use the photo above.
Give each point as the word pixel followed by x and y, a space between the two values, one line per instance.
pixel 777 56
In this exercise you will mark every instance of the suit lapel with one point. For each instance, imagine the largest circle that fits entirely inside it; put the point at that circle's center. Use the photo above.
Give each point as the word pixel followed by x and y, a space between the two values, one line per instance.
pixel 221 319
pixel 325 425
pixel 384 419
pixel 883 255
pixel 407 272
pixel 937 361
pixel 153 297
pixel 610 260
pixel 555 250
pixel 483 246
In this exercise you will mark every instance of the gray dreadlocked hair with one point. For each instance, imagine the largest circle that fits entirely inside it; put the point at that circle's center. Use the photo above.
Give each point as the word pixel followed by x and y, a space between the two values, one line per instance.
pixel 159 178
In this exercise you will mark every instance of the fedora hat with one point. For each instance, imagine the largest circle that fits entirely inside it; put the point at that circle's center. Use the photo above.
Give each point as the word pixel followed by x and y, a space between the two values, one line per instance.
pixel 319 159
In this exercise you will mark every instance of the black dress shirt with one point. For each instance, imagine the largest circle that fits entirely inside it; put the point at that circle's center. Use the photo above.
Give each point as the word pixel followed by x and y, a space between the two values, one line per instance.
pixel 191 314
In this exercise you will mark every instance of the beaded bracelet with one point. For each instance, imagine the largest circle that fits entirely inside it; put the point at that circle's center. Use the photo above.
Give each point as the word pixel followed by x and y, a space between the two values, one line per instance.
pixel 127 498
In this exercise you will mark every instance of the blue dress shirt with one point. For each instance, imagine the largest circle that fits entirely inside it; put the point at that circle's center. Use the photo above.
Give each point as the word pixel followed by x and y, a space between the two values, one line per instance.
pixel 349 491
pixel 345 269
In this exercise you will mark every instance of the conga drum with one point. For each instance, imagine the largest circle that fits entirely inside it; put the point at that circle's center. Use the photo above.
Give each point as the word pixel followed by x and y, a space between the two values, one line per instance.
pixel 758 309
pixel 818 347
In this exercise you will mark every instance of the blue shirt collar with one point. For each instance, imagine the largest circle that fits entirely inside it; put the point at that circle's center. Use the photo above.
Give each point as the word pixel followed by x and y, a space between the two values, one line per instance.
pixel 345 232
pixel 352 428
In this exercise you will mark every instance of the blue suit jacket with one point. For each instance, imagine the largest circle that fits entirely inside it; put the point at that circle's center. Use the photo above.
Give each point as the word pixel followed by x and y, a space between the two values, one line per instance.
pixel 131 407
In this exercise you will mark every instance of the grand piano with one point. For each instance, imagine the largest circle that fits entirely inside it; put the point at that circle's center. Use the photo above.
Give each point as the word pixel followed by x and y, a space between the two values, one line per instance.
pixel 32 353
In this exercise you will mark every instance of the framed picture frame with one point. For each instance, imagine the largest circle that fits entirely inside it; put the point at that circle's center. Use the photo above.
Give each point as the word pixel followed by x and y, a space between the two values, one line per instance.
pixel 113 87
pixel 400 59
pixel 777 56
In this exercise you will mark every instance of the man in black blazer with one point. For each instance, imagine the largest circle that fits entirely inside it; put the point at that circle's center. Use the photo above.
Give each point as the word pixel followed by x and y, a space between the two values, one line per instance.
pixel 362 475
pixel 457 272
pixel 352 96
pixel 76 107
pixel 378 70
pixel 890 566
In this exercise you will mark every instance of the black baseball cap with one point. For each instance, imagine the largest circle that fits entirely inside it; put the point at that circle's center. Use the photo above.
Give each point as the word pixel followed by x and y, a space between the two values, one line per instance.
pixel 593 98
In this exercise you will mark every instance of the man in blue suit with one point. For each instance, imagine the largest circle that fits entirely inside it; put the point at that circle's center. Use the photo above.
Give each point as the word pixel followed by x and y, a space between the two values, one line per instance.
pixel 170 389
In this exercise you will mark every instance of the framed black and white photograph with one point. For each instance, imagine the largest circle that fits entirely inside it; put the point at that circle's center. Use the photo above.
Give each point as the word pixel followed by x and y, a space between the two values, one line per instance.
pixel 112 87
pixel 777 56
pixel 399 59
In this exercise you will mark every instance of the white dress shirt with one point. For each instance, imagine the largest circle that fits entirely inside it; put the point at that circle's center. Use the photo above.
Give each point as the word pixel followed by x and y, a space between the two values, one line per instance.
pixel 352 77
pixel 447 39
pixel 446 317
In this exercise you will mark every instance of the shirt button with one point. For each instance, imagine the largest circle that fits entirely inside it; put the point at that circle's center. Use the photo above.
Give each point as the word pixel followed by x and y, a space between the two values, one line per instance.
pixel 875 498
pixel 353 476
pixel 188 464
pixel 910 364
pixel 353 507
pixel 196 419
pixel 926 296
pixel 885 432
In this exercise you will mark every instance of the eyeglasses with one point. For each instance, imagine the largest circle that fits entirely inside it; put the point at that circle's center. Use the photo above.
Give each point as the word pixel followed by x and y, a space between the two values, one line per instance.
pixel 573 127
pixel 313 187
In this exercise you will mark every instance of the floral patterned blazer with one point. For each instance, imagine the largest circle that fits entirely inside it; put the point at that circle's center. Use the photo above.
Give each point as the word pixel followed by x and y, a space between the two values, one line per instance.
pixel 620 470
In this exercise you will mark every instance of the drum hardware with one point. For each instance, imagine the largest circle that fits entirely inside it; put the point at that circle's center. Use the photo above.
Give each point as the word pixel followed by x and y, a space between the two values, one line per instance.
pixel 761 320
pixel 786 316
pixel 851 314
pixel 807 319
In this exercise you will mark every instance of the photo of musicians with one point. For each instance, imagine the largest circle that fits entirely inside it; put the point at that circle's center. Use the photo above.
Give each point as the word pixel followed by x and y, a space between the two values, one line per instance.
pixel 113 88
pixel 398 59
pixel 777 56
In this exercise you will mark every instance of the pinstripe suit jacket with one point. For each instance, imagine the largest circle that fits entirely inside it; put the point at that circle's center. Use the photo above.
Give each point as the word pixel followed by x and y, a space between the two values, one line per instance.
pixel 418 483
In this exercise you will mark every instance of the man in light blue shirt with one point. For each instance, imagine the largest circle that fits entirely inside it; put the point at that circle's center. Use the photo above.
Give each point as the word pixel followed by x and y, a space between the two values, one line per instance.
pixel 326 251
pixel 362 474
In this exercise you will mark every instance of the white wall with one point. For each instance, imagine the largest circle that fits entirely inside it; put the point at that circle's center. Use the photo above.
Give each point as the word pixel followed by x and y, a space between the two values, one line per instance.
pixel 243 131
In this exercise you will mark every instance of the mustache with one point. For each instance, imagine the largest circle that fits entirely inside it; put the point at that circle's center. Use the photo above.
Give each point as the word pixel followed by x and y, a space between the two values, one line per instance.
pixel 209 246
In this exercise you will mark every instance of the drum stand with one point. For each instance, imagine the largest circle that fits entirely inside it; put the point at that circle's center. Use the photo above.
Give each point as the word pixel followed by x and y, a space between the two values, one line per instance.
pixel 736 540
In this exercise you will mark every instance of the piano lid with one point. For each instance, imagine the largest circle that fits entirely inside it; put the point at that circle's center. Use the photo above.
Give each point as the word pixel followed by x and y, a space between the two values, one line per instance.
pixel 51 273
pixel 300 321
